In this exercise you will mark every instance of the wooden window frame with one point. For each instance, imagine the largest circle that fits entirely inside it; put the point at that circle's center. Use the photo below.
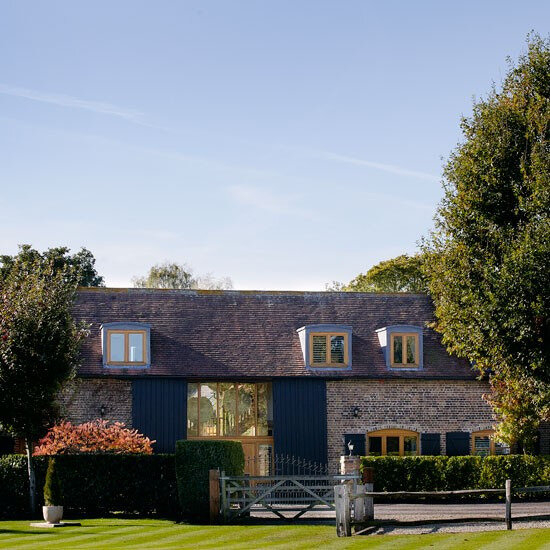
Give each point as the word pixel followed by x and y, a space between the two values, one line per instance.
pixel 384 434
pixel 484 433
pixel 405 335
pixel 327 336
pixel 126 334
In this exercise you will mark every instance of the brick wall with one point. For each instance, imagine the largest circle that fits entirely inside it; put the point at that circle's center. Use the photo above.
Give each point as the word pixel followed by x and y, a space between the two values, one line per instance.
pixel 81 401
pixel 434 406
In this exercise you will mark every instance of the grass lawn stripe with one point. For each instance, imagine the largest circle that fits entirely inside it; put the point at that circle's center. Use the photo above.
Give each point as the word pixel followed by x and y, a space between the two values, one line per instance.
pixel 64 536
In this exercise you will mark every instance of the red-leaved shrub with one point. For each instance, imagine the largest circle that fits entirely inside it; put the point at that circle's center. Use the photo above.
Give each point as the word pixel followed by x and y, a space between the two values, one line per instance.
pixel 93 437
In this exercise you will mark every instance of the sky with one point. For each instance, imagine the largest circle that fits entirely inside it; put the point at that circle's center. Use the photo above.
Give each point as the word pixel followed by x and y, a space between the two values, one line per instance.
pixel 284 144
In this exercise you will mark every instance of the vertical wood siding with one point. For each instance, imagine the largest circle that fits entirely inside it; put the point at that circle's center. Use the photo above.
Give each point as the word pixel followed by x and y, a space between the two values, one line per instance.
pixel 300 418
pixel 159 410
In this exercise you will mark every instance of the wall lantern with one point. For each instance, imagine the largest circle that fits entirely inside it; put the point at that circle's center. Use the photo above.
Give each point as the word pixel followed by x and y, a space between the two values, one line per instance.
pixel 356 412
pixel 102 411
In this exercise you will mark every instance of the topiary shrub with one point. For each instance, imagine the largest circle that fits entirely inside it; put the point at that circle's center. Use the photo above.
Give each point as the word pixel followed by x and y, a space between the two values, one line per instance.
pixel 53 494
pixel 194 460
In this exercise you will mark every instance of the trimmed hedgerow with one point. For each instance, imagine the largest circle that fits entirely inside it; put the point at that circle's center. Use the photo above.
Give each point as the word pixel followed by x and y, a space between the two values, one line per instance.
pixel 449 473
pixel 95 484
pixel 194 460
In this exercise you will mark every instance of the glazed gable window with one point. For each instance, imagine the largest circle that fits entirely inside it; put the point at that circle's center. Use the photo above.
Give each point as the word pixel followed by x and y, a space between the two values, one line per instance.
pixel 126 345
pixel 404 349
pixel 326 346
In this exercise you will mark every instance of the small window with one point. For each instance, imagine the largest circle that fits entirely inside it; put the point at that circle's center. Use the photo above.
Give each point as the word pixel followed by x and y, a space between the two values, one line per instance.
pixel 126 345
pixel 483 444
pixel 393 443
pixel 329 349
pixel 404 349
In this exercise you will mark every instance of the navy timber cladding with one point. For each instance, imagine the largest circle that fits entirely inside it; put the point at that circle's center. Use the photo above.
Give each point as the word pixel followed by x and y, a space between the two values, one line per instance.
pixel 159 411
pixel 300 418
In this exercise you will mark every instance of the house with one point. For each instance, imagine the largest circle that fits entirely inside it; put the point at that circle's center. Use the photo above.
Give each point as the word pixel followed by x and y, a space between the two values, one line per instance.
pixel 297 373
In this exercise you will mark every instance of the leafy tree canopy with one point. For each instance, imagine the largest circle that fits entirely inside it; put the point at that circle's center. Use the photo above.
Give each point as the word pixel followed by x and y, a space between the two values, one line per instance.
pixel 488 256
pixel 173 275
pixel 82 263
pixel 39 345
pixel 400 274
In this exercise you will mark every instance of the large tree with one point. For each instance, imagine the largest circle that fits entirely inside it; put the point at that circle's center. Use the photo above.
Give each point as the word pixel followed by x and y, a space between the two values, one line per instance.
pixel 400 274
pixel 173 275
pixel 39 343
pixel 488 257
pixel 81 262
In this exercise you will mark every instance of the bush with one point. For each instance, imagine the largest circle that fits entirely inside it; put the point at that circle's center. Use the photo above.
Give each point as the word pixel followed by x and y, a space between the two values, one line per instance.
pixel 449 473
pixel 95 484
pixel 53 495
pixel 194 460
pixel 91 437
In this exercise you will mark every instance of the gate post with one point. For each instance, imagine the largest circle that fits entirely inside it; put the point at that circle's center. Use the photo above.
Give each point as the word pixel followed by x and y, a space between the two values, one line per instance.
pixel 214 482
pixel 368 480
pixel 342 506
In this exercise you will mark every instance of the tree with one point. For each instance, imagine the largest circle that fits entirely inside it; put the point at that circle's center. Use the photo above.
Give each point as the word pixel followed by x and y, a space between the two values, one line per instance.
pixel 82 262
pixel 400 274
pixel 173 275
pixel 39 343
pixel 488 256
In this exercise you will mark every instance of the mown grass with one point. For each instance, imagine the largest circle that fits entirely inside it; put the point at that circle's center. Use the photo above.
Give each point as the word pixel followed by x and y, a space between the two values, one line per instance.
pixel 128 534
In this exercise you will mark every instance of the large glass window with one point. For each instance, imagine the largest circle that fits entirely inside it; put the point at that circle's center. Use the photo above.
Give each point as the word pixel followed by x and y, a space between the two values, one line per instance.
pixel 392 443
pixel 404 350
pixel 228 409
pixel 328 349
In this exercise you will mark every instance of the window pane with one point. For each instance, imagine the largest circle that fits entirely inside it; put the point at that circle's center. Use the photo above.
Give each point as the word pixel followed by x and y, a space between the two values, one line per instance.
pixel 135 343
pixel 392 445
pixel 482 445
pixel 208 413
pixel 501 449
pixel 192 409
pixel 409 445
pixel 337 349
pixel 247 409
pixel 319 349
pixel 265 408
pixel 398 349
pixel 411 349
pixel 116 346
pixel 227 399
pixel 375 446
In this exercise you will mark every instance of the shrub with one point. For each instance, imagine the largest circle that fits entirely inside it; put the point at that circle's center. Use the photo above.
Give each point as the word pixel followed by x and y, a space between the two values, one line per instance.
pixel 96 436
pixel 53 495
pixel 194 460
pixel 96 484
pixel 449 473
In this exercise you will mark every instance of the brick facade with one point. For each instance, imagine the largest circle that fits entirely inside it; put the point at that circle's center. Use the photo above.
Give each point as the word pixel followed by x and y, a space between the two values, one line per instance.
pixel 82 400
pixel 433 406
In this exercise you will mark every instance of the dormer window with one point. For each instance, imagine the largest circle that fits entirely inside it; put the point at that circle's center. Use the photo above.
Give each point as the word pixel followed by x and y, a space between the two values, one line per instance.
pixel 126 345
pixel 326 346
pixel 404 349
pixel 402 346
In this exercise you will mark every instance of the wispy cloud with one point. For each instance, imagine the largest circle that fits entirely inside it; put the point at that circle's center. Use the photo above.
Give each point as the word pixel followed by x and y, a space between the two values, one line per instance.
pixel 392 169
pixel 264 199
pixel 63 100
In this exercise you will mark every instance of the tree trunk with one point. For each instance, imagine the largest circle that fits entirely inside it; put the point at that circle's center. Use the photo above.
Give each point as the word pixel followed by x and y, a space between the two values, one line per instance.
pixel 32 477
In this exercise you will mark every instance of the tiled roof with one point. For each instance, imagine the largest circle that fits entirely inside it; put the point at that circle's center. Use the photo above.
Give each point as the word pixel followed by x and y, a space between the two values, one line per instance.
pixel 242 334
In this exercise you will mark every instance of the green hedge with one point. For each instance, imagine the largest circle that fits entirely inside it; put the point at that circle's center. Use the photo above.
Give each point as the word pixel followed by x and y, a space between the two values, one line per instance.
pixel 194 460
pixel 95 484
pixel 448 473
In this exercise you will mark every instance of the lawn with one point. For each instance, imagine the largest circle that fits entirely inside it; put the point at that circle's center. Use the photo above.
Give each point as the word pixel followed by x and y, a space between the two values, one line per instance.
pixel 115 533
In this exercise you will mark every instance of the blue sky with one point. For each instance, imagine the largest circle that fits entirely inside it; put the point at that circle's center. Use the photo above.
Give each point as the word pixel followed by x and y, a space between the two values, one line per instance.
pixel 284 144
